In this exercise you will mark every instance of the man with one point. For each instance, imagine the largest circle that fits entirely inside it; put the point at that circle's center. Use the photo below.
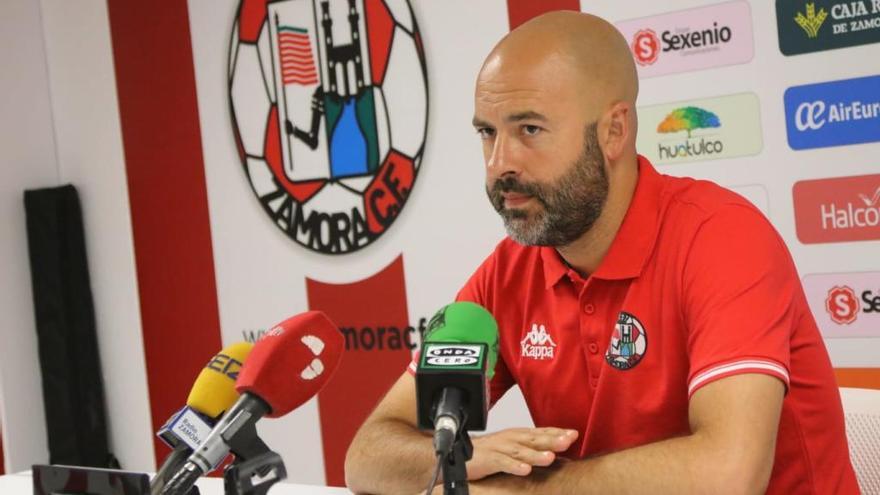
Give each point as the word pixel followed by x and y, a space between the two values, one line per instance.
pixel 656 325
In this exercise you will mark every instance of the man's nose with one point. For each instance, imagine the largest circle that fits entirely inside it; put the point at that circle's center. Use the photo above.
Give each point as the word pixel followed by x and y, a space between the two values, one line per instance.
pixel 503 159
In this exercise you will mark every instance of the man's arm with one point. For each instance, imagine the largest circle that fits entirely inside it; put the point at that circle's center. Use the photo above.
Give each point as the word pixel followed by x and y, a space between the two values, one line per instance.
pixel 731 448
pixel 390 455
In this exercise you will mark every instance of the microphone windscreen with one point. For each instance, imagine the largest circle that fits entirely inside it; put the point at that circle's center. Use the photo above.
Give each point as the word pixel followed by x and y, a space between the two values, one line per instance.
pixel 214 389
pixel 465 322
pixel 292 362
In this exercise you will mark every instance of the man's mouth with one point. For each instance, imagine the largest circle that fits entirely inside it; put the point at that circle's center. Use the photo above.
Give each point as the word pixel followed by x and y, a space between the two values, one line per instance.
pixel 514 199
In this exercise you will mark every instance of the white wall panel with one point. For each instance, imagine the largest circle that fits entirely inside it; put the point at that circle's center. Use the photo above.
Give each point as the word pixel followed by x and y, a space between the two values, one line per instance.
pixel 27 162
pixel 90 156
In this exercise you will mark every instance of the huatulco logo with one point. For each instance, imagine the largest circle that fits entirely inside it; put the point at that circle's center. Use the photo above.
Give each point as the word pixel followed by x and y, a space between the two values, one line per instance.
pixel 689 119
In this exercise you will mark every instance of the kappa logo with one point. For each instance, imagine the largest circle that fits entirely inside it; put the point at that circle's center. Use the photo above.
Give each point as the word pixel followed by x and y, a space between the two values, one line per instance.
pixel 329 103
pixel 538 344
pixel 629 342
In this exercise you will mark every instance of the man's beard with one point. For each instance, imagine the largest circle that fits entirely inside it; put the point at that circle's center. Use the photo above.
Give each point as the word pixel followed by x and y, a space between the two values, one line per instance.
pixel 569 206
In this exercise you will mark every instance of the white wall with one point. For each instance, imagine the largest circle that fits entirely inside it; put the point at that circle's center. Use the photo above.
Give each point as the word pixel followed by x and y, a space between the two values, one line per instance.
pixel 27 161
pixel 90 156
pixel 60 124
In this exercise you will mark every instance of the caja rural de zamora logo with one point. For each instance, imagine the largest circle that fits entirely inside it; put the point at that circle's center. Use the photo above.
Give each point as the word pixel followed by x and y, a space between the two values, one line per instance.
pixel 817 25
pixel 329 103
pixel 811 21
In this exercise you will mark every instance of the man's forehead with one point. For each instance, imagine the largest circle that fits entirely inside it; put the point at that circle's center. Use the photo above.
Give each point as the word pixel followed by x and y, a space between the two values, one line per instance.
pixel 481 120
pixel 517 100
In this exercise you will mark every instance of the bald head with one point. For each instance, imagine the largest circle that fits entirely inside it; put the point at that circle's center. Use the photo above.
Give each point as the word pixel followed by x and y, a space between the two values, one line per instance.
pixel 575 49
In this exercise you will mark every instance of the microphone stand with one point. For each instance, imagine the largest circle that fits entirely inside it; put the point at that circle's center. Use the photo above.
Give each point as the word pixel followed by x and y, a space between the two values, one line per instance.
pixel 454 472
pixel 255 469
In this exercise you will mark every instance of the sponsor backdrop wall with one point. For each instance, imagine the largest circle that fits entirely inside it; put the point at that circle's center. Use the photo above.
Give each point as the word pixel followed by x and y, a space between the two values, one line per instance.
pixel 244 161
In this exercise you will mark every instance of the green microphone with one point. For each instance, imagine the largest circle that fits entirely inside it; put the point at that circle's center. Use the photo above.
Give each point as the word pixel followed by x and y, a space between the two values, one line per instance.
pixel 457 361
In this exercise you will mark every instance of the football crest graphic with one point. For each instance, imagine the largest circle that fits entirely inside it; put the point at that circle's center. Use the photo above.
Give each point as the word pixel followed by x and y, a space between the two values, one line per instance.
pixel 329 103
pixel 629 342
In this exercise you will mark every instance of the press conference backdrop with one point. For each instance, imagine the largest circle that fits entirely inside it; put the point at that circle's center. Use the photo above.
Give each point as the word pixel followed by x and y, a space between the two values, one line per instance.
pixel 241 162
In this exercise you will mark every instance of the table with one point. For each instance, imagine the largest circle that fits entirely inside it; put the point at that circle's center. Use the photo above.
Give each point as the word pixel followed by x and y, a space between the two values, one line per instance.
pixel 20 484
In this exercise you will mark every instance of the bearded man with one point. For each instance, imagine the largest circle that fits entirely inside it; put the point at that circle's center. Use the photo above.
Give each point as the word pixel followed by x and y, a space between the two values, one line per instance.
pixel 679 354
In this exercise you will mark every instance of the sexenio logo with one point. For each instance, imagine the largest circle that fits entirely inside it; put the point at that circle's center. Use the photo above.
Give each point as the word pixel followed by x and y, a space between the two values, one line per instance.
pixel 845 304
pixel 842 305
pixel 691 39
pixel 833 113
pixel 837 210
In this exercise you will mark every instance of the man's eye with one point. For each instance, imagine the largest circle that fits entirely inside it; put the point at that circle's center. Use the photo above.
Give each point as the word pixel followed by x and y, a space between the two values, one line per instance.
pixel 531 130
pixel 485 132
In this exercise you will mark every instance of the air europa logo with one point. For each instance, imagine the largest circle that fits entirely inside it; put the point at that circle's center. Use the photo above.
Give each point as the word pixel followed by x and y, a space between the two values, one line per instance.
pixel 845 304
pixel 705 129
pixel 691 39
pixel 816 25
pixel 329 106
pixel 833 113
pixel 836 210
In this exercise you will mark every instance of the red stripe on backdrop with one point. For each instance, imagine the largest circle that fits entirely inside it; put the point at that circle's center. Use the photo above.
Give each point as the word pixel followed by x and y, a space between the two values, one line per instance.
pixel 520 11
pixel 370 308
pixel 155 83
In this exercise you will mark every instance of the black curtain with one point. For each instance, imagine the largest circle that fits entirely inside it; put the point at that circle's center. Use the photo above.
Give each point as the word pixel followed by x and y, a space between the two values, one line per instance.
pixel 73 389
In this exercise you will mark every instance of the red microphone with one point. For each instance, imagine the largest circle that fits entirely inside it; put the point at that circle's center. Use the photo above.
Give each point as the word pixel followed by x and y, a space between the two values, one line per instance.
pixel 285 368
pixel 292 362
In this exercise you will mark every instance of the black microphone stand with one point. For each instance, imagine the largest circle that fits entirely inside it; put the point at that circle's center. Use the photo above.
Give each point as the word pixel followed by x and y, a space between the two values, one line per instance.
pixel 255 469
pixel 454 471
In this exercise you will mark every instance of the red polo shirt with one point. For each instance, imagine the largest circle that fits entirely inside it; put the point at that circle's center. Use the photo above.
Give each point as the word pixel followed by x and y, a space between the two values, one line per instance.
pixel 697 286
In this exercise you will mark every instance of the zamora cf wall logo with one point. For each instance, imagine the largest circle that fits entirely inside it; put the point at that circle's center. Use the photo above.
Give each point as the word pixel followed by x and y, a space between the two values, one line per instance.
pixel 329 109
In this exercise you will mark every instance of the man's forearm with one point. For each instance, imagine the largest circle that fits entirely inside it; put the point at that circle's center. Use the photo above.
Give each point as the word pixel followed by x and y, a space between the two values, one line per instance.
pixel 675 466
pixel 389 457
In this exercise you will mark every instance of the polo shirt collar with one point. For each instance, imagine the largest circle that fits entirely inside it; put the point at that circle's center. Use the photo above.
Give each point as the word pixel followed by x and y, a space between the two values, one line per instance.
pixel 635 238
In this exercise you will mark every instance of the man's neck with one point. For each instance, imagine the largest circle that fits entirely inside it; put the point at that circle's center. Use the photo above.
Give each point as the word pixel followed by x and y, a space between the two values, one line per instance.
pixel 586 253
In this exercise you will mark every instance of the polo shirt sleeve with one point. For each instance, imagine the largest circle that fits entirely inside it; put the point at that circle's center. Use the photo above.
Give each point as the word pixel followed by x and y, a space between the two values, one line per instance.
pixel 739 287
pixel 476 290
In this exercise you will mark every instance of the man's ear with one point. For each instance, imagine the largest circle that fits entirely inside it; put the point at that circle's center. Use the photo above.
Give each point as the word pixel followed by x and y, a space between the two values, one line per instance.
pixel 616 130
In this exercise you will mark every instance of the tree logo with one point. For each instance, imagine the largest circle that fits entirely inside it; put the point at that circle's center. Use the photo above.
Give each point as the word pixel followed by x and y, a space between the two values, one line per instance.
pixel 688 119
pixel 812 21
pixel 329 108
